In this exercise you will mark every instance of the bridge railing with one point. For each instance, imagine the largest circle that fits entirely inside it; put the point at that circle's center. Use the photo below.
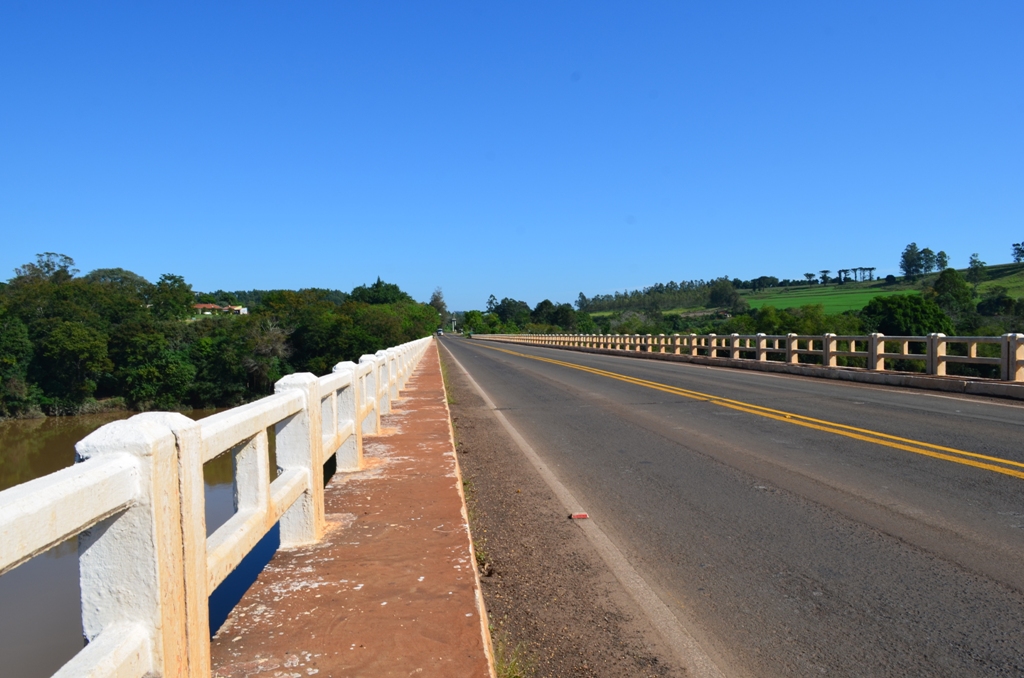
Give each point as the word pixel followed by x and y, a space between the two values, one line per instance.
pixel 135 500
pixel 933 353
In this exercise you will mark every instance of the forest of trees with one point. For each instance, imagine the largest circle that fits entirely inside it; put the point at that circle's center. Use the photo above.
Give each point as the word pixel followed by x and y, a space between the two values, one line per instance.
pixel 71 343
pixel 110 338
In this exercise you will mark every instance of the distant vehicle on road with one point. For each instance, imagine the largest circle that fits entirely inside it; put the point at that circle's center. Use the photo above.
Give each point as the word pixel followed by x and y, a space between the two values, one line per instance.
pixel 440 332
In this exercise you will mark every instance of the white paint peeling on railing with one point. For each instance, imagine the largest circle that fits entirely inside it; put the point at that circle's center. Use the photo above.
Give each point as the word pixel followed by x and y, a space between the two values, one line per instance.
pixel 932 352
pixel 136 502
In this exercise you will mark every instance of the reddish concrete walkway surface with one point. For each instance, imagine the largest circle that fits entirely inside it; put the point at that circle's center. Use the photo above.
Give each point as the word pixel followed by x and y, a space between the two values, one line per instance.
pixel 392 588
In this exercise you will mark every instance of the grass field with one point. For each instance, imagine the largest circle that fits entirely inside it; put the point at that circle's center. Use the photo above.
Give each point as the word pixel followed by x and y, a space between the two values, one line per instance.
pixel 1010 276
pixel 835 298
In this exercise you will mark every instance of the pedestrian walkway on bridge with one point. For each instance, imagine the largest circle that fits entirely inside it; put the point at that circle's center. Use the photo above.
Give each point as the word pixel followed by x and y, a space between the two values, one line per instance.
pixel 392 589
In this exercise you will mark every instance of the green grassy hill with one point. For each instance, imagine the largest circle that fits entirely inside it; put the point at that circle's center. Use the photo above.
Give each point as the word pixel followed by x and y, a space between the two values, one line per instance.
pixel 1010 276
pixel 854 296
pixel 851 296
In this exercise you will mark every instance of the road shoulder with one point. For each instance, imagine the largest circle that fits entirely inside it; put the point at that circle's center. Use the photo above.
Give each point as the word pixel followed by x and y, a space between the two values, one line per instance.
pixel 546 589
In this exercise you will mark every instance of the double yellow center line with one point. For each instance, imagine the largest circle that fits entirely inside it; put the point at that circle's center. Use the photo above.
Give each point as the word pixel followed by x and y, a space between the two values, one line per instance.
pixel 995 464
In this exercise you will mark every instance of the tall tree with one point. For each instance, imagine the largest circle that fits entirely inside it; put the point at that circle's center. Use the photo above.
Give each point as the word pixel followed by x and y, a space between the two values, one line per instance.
pixel 1018 252
pixel 380 292
pixel 905 315
pixel 953 294
pixel 928 260
pixel 171 298
pixel 941 261
pixel 824 275
pixel 810 277
pixel 49 266
pixel 975 271
pixel 437 301
pixel 910 261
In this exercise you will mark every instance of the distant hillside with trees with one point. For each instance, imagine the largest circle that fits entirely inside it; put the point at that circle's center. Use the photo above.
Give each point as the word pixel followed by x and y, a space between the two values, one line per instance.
pixel 71 343
pixel 929 297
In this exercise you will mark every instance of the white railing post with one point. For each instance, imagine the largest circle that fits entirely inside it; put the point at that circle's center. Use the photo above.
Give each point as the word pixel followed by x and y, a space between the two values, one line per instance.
pixel 383 388
pixel 828 350
pixel 131 565
pixel 300 446
pixel 393 385
pixel 368 394
pixel 792 344
pixel 188 437
pixel 350 455
pixel 876 347
pixel 1013 350
pixel 762 347
pixel 937 354
pixel 712 345
pixel 734 346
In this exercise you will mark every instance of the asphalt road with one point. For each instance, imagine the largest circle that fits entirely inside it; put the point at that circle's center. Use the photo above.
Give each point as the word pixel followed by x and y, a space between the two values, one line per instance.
pixel 794 526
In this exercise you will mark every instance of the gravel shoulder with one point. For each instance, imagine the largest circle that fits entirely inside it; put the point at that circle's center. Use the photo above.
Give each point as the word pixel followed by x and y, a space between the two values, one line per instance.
pixel 547 591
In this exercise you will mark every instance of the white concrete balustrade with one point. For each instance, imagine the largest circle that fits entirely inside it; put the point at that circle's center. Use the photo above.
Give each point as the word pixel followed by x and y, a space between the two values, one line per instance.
pixel 932 352
pixel 135 500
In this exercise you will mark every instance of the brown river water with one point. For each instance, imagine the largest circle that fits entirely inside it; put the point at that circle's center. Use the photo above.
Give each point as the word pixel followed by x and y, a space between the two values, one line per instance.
pixel 40 619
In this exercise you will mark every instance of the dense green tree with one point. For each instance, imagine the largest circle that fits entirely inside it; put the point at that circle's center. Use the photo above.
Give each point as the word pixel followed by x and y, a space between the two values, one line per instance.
pixel 722 294
pixel 997 301
pixel 952 294
pixel 380 292
pixel 976 270
pixel 49 266
pixel 473 321
pixel 15 356
pixel 512 311
pixel 149 373
pixel 1018 252
pixel 437 301
pixel 69 360
pixel 905 315
pixel 121 279
pixel 66 339
pixel 585 324
pixel 911 262
pixel 928 260
pixel 171 298
pixel 543 312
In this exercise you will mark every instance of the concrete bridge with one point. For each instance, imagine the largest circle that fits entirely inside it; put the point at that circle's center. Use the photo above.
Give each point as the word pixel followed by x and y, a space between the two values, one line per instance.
pixel 135 501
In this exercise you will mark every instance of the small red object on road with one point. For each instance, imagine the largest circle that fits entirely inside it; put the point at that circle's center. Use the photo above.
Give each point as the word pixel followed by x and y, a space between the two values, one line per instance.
pixel 578 516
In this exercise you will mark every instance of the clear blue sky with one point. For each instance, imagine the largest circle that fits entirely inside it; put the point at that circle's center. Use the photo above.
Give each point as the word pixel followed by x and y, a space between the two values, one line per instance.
pixel 520 149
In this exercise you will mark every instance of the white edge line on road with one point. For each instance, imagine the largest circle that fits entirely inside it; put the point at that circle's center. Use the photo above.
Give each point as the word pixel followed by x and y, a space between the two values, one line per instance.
pixel 688 652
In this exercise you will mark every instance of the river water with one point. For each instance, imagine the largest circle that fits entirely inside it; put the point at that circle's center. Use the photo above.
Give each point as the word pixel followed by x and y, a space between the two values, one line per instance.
pixel 40 618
